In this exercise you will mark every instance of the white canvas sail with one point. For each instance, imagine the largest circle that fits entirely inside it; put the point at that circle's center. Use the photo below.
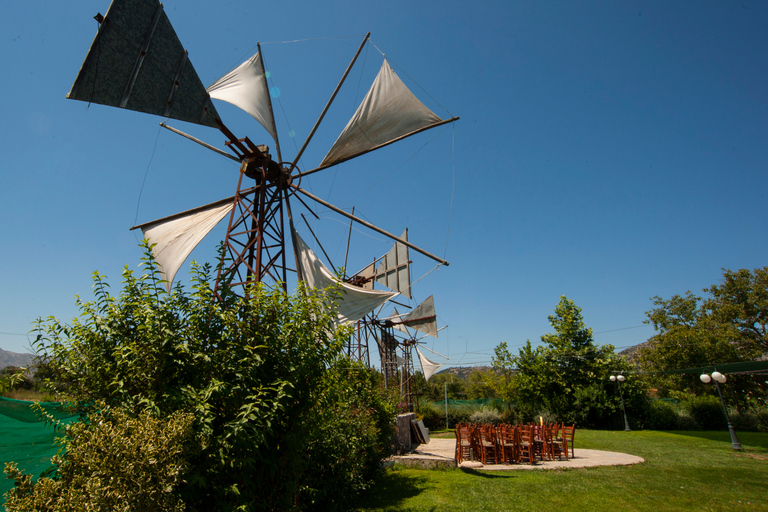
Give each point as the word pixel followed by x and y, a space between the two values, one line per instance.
pixel 174 238
pixel 246 88
pixel 355 302
pixel 388 111
pixel 398 322
pixel 427 366
pixel 423 318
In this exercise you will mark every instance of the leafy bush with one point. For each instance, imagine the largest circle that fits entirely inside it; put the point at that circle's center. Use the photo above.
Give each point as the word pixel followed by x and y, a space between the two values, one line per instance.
pixel 486 416
pixel 686 422
pixel 745 421
pixel 115 461
pixel 509 416
pixel 761 415
pixel 662 415
pixel 707 411
pixel 592 407
pixel 259 375
pixel 461 414
pixel 353 421
pixel 432 416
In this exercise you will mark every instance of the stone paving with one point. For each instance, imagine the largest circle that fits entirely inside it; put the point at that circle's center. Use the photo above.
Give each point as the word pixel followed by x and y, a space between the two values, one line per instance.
pixel 439 453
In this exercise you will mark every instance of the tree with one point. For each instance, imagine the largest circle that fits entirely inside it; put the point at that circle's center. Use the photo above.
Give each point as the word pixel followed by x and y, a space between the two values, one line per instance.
pixel 503 364
pixel 251 371
pixel 566 376
pixel 440 382
pixel 478 385
pixel 728 325
pixel 741 303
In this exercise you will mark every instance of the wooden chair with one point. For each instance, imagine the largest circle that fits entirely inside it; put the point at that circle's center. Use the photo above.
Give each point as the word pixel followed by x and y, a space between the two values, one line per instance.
pixel 526 442
pixel 559 445
pixel 463 442
pixel 488 445
pixel 545 442
pixel 568 435
pixel 508 447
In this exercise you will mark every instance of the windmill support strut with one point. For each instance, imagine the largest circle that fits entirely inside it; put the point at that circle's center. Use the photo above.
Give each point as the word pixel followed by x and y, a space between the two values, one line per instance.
pixel 370 226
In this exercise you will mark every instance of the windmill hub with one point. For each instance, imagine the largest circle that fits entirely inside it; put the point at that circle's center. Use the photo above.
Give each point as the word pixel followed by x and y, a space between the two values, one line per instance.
pixel 258 165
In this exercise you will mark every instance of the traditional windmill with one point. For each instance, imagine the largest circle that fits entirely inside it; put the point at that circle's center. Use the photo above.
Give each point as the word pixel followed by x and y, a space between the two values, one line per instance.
pixel 391 334
pixel 137 62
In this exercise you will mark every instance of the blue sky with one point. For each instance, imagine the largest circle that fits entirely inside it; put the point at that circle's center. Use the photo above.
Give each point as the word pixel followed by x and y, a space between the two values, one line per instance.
pixel 607 151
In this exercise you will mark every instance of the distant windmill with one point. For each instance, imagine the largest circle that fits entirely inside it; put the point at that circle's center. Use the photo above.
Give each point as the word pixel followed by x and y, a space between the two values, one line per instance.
pixel 136 62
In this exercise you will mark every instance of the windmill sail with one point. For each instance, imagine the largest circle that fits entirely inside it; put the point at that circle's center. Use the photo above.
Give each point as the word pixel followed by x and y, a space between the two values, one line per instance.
pixel 398 324
pixel 388 112
pixel 173 238
pixel 137 62
pixel 427 366
pixel 393 271
pixel 246 88
pixel 423 318
pixel 354 302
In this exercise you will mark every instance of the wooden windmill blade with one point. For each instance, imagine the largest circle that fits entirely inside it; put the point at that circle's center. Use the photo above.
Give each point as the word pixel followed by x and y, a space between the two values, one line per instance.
pixel 392 270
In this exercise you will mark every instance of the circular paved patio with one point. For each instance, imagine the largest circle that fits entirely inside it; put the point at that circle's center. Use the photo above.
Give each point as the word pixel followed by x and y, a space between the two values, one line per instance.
pixel 440 453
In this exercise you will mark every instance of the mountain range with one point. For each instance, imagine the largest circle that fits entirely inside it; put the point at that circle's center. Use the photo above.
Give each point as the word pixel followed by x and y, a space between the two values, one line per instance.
pixel 14 358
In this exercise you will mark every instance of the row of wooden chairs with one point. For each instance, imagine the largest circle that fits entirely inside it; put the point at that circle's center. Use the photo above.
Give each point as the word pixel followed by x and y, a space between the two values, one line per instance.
pixel 506 444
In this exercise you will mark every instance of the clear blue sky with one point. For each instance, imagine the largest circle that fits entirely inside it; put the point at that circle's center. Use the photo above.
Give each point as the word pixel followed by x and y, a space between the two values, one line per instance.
pixel 607 151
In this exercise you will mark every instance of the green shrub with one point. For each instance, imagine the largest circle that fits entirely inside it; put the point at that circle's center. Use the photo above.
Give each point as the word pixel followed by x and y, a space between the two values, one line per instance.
pixel 277 426
pixel 707 411
pixel 113 461
pixel 432 416
pixel 486 416
pixel 686 422
pixel 461 414
pixel 761 416
pixel 662 415
pixel 509 416
pixel 353 419
pixel 745 421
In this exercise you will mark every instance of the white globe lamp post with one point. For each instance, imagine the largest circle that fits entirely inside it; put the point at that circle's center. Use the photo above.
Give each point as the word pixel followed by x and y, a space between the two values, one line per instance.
pixel 719 378
pixel 620 378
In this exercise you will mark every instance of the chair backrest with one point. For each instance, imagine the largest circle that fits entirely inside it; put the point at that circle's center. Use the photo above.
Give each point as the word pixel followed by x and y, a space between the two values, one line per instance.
pixel 569 433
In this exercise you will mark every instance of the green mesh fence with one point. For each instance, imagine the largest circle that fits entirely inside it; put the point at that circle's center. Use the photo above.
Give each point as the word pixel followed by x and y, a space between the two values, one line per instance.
pixel 472 403
pixel 25 438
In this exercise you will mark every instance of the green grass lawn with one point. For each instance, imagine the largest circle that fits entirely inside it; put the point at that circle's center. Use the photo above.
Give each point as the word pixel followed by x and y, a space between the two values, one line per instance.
pixel 685 471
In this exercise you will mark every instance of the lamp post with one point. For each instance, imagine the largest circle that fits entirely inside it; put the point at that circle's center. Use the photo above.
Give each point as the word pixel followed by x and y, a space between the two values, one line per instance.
pixel 720 378
pixel 620 378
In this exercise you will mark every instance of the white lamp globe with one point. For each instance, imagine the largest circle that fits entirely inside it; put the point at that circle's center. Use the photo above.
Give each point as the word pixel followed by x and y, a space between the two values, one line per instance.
pixel 719 377
pixel 621 378
pixel 613 378
pixel 706 379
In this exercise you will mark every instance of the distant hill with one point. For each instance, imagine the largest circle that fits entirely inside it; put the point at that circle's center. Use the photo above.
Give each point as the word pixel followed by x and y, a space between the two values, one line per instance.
pixel 14 358
pixel 463 372
pixel 631 352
